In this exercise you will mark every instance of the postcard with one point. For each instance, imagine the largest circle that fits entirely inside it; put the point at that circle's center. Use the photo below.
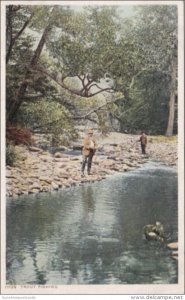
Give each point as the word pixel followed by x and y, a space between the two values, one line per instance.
pixel 92 148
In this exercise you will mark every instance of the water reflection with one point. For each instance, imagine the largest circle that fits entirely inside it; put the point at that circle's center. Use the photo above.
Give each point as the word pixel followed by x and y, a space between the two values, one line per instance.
pixel 93 234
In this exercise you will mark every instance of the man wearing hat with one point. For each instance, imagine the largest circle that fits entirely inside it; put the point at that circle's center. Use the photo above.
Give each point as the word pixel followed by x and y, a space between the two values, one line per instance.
pixel 143 141
pixel 88 151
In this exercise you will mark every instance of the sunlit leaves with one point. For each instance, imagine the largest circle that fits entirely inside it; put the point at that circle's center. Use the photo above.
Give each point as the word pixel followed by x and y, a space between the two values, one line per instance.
pixel 48 117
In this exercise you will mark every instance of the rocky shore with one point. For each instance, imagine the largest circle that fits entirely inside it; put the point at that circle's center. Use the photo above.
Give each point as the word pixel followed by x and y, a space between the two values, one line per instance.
pixel 36 170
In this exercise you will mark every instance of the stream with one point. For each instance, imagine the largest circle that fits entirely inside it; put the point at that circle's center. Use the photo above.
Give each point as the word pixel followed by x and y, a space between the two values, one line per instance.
pixel 93 234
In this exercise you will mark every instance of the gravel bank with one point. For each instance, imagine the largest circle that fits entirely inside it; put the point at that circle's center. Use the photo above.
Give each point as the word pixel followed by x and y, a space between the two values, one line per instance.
pixel 38 171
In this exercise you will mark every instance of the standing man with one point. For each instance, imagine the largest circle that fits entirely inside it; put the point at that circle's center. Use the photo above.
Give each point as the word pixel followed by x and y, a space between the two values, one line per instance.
pixel 143 141
pixel 88 151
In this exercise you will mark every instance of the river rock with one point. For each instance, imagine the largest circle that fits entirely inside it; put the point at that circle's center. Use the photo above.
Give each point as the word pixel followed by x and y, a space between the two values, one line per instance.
pixel 46 158
pixel 16 191
pixel 115 168
pixel 24 187
pixel 25 192
pixel 10 175
pixel 34 191
pixel 35 149
pixel 77 146
pixel 173 246
pixel 64 170
pixel 107 163
pixel 175 257
pixel 74 158
pixel 54 185
pixel 35 185
pixel 58 182
pixel 45 179
pixel 58 155
pixel 111 157
pixel 64 175
pixel 61 159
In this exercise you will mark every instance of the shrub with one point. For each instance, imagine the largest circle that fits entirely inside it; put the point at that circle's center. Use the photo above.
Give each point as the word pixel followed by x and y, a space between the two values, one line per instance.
pixel 10 154
pixel 18 135
pixel 49 117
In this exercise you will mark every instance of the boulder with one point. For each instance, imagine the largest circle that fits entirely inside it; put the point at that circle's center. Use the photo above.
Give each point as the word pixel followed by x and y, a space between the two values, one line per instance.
pixel 61 159
pixel 173 246
pixel 35 185
pixel 54 185
pixel 46 158
pixel 115 168
pixel 45 179
pixel 107 163
pixel 175 253
pixel 74 158
pixel 64 175
pixel 34 149
pixel 34 191
pixel 77 147
pixel 58 155
pixel 10 175
pixel 111 157
pixel 175 257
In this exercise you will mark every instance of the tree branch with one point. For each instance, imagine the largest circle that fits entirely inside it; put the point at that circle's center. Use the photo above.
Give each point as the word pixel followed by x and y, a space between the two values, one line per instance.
pixel 23 28
pixel 64 86
pixel 99 107
pixel 133 78
pixel 13 39
pixel 85 90
pixel 108 90
pixel 86 118
pixel 140 72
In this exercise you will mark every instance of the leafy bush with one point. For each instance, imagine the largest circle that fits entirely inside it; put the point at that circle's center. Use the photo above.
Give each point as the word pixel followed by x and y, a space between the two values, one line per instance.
pixel 49 117
pixel 162 139
pixel 10 154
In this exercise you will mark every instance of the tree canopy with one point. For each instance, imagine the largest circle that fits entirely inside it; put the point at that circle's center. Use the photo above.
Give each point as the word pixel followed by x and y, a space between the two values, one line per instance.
pixel 93 64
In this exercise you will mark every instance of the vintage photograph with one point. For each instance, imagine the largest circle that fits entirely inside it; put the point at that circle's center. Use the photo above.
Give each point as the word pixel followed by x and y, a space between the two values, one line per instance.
pixel 92 128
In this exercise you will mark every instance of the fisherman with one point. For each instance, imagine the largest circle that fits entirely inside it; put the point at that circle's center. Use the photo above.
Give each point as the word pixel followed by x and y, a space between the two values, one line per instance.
pixel 143 141
pixel 88 151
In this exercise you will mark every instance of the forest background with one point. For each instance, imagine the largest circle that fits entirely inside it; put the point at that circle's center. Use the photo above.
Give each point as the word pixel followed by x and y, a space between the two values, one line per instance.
pixel 92 66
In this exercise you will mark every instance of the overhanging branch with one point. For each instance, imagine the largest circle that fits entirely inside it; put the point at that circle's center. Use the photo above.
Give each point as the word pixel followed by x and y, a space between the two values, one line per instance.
pixel 98 108
pixel 73 91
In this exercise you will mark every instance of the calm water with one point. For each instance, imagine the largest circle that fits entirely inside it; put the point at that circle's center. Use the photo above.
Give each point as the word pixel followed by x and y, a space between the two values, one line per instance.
pixel 93 234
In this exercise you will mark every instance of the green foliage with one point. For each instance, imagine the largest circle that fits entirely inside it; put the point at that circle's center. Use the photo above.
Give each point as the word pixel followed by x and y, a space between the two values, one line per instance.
pixel 15 70
pixel 132 56
pixel 10 154
pixel 148 105
pixel 162 139
pixel 51 118
pixel 85 46
pixel 153 38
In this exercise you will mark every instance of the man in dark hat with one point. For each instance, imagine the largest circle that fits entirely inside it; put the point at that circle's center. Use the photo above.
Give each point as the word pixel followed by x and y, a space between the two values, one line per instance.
pixel 88 151
pixel 143 141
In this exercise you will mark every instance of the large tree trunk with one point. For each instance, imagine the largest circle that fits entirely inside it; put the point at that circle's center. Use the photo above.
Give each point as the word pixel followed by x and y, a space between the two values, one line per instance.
pixel 9 31
pixel 22 89
pixel 171 104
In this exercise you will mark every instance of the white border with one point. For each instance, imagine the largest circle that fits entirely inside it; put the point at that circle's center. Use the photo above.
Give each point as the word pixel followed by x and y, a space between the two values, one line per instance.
pixel 101 289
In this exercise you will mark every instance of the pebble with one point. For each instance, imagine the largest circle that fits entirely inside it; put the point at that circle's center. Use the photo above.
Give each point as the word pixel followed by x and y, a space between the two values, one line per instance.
pixel 173 246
